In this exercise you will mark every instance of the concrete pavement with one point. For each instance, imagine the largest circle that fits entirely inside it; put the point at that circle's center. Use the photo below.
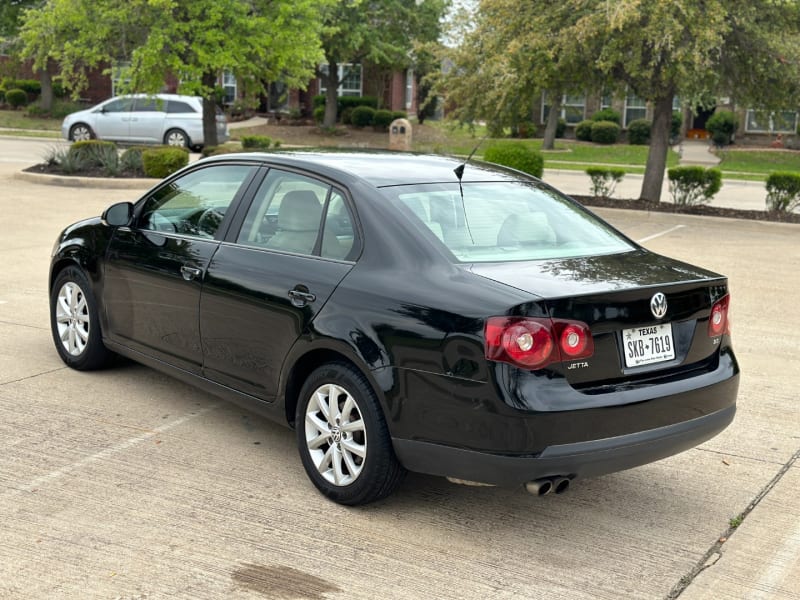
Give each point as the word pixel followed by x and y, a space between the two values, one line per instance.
pixel 128 484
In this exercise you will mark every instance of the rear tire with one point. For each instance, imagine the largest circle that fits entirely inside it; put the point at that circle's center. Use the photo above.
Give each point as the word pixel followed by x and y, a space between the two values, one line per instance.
pixel 74 322
pixel 177 138
pixel 343 439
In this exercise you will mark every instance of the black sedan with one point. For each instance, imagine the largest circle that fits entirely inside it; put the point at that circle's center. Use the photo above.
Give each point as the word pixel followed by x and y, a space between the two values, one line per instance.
pixel 405 312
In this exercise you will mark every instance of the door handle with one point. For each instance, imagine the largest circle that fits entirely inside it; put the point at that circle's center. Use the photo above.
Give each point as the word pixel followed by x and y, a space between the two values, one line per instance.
pixel 300 298
pixel 189 273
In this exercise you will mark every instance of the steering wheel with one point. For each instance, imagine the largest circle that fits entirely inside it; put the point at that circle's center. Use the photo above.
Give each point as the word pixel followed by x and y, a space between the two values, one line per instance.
pixel 209 221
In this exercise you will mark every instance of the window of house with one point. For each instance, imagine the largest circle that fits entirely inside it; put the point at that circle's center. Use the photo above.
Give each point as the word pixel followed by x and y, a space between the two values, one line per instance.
pixel 409 89
pixel 606 100
pixel 229 87
pixel 635 108
pixel 761 121
pixel 349 80
pixel 573 108
pixel 120 77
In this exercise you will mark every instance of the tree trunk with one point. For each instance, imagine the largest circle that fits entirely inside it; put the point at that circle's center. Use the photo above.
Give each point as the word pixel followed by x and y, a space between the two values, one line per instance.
pixel 659 144
pixel 46 98
pixel 331 94
pixel 210 110
pixel 552 120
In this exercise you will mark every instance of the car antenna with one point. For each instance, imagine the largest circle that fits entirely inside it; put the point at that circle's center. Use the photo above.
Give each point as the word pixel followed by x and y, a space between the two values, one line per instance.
pixel 459 171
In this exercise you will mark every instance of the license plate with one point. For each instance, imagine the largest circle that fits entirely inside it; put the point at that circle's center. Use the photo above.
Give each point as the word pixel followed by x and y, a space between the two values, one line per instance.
pixel 648 345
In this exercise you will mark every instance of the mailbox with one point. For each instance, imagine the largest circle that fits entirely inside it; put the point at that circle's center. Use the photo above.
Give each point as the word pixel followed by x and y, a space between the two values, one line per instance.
pixel 400 135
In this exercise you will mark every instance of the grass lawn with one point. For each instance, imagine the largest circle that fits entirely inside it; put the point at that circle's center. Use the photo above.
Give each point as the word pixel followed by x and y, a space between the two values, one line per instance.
pixel 17 119
pixel 762 162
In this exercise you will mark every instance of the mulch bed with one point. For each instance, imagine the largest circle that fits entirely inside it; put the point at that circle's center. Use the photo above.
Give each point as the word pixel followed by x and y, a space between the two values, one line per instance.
pixel 703 210
pixel 46 169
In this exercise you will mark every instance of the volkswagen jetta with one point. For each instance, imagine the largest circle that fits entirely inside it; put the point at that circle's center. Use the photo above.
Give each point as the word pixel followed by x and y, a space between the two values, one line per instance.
pixel 405 312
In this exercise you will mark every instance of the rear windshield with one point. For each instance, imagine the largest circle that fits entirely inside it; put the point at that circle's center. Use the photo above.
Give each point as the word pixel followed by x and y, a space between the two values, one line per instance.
pixel 505 221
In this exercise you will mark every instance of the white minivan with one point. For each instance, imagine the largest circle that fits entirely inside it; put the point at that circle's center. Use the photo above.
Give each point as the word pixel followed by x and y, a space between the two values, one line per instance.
pixel 144 119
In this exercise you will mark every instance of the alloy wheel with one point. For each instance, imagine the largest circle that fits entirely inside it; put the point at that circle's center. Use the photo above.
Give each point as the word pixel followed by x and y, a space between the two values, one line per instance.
pixel 72 318
pixel 335 434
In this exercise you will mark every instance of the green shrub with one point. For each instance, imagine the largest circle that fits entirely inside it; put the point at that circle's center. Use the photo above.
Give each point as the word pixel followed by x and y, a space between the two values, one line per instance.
pixel 354 101
pixel 220 150
pixel 639 132
pixel 59 110
pixel 319 114
pixel 675 125
pixel 318 100
pixel 2 95
pixel 607 114
pixel 346 116
pixel 257 142
pixel 131 160
pixel 604 180
pixel 605 132
pixel 32 87
pixel 382 119
pixel 164 160
pixel 526 129
pixel 722 125
pixel 362 116
pixel 59 91
pixel 94 153
pixel 693 185
pixel 516 156
pixel 67 161
pixel 399 114
pixel 16 98
pixel 561 128
pixel 583 130
pixel 783 191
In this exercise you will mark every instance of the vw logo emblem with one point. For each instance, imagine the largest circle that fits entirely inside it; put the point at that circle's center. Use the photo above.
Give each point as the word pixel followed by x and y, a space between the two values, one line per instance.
pixel 658 305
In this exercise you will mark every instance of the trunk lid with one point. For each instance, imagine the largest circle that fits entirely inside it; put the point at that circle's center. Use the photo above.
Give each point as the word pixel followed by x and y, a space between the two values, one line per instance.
pixel 613 295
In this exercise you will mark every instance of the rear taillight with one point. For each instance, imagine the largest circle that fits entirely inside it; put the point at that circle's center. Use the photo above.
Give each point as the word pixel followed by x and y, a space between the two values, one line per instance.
pixel 534 343
pixel 718 321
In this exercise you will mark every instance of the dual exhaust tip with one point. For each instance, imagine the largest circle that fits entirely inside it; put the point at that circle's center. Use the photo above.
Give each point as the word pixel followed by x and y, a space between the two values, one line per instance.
pixel 545 485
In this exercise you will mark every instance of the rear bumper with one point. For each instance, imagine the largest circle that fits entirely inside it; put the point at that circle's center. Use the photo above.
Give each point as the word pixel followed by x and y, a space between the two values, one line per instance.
pixel 574 460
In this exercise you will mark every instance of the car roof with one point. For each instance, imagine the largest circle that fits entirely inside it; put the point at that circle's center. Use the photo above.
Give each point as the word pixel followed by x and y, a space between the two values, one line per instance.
pixel 382 169
pixel 160 96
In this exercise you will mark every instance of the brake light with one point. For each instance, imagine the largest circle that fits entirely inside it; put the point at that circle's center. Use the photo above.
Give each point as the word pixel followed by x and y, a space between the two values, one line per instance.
pixel 534 343
pixel 718 321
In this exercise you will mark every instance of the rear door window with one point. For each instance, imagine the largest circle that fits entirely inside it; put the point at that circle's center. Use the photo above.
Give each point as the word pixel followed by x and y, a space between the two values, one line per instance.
pixel 177 106
pixel 288 213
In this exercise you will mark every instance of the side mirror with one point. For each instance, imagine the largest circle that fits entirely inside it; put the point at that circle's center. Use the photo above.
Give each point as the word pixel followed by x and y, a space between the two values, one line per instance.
pixel 118 215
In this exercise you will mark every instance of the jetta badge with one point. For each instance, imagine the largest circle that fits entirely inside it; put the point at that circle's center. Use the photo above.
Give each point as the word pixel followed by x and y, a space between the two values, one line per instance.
pixel 658 305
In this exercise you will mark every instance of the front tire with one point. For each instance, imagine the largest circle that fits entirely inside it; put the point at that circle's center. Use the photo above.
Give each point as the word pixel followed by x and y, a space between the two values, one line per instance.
pixel 177 138
pixel 342 436
pixel 80 132
pixel 74 322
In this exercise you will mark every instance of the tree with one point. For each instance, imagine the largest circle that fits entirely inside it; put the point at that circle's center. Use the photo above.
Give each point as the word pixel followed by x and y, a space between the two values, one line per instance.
pixel 192 39
pixel 656 49
pixel 11 13
pixel 691 48
pixel 518 50
pixel 379 31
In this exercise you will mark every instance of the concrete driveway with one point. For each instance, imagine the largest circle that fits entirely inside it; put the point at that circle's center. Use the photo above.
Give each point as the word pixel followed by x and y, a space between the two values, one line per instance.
pixel 127 484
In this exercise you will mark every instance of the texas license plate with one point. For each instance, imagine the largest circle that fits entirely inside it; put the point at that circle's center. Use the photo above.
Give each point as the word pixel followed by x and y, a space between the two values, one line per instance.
pixel 647 345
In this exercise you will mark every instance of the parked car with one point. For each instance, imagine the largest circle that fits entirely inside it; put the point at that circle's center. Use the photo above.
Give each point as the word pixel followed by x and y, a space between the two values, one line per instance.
pixel 405 312
pixel 142 119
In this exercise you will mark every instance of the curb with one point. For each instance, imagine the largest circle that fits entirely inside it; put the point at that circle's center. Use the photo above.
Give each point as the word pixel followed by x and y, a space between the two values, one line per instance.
pixel 87 182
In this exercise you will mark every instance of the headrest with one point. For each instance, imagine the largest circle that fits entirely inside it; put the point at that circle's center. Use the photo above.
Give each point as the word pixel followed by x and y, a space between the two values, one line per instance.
pixel 300 211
